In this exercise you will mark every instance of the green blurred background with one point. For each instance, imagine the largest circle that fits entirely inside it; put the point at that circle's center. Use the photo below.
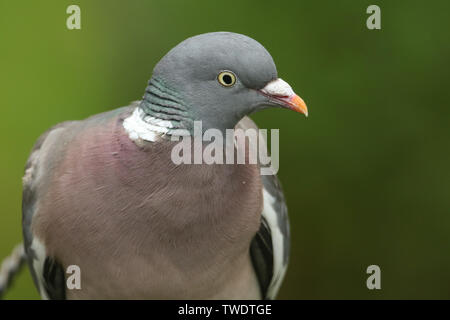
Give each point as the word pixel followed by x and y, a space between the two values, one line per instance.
pixel 366 176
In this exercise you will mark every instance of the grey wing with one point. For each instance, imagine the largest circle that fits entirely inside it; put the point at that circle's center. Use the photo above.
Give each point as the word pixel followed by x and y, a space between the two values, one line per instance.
pixel 47 273
pixel 269 249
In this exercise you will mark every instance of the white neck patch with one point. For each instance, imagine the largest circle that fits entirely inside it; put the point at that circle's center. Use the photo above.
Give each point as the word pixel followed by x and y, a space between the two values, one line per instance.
pixel 148 128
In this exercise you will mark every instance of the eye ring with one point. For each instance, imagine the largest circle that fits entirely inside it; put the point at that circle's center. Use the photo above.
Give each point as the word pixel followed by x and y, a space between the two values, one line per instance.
pixel 226 78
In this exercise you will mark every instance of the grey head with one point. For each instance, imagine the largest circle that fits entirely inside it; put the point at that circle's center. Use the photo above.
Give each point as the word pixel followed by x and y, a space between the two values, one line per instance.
pixel 216 78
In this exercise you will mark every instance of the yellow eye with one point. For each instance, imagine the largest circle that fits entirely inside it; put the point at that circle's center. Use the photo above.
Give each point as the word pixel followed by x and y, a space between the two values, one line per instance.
pixel 226 78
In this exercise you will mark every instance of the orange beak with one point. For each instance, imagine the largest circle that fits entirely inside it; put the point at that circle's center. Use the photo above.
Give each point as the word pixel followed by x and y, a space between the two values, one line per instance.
pixel 295 103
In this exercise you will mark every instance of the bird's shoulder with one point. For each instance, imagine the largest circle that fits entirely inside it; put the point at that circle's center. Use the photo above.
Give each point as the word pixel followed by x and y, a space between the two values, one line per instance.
pixel 57 139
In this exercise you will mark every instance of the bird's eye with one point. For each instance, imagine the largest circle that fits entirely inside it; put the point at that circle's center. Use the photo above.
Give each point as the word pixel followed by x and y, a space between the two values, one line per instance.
pixel 226 78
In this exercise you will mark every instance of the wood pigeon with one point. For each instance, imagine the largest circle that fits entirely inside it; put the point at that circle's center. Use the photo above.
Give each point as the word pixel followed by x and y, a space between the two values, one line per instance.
pixel 103 194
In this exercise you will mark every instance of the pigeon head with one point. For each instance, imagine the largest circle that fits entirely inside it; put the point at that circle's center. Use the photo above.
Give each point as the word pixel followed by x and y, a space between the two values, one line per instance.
pixel 216 78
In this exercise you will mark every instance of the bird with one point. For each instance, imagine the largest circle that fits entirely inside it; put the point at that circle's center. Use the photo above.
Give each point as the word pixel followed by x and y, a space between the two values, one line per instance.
pixel 104 195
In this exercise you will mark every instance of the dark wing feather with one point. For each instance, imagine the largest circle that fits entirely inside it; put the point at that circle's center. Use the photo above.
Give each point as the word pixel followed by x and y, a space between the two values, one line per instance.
pixel 261 253
pixel 54 280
